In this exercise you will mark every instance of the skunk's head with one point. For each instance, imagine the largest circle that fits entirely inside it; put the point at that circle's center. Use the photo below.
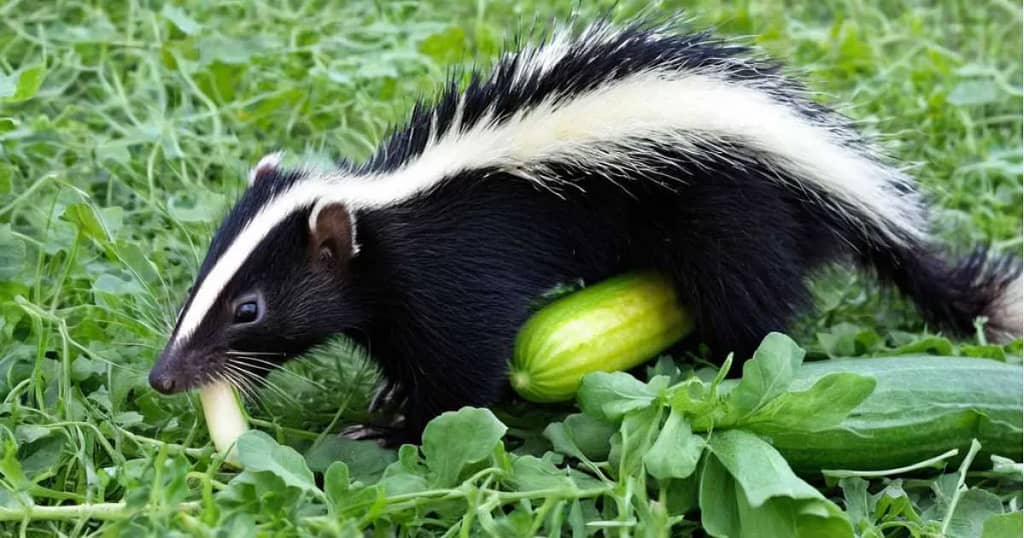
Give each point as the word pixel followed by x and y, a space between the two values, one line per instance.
pixel 263 296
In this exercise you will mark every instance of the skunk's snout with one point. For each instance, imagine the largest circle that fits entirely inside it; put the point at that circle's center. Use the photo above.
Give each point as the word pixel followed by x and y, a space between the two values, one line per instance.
pixel 162 382
pixel 165 375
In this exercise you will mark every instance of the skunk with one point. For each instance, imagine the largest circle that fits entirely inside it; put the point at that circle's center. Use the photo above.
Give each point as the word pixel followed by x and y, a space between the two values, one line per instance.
pixel 592 153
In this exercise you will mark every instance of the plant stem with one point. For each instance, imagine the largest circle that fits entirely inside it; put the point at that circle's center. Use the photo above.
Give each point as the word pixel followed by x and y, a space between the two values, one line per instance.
pixel 303 434
pixel 930 462
pixel 960 487
pixel 102 511
pixel 172 447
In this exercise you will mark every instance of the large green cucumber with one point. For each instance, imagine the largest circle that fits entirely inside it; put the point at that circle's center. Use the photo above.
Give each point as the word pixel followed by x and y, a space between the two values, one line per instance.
pixel 922 406
pixel 614 325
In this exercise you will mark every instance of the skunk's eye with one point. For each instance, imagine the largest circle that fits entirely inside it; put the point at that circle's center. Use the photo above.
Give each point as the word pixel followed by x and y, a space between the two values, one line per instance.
pixel 247 312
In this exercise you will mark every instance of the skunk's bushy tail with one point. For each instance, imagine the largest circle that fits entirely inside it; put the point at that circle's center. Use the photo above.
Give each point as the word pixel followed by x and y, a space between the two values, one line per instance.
pixel 952 294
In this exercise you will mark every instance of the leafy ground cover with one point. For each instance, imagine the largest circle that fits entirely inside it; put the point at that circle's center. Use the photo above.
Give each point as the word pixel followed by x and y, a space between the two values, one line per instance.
pixel 127 128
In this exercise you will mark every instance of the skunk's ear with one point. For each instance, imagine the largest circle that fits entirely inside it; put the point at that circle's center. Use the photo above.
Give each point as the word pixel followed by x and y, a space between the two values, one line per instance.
pixel 333 235
pixel 267 167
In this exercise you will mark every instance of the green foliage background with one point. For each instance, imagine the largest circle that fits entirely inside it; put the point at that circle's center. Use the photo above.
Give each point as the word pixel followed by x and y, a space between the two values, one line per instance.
pixel 126 129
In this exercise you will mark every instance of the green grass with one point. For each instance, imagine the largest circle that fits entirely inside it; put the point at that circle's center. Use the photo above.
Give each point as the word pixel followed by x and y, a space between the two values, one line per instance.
pixel 126 129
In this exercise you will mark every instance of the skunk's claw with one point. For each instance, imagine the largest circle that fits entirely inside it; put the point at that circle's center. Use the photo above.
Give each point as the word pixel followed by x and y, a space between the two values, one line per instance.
pixel 387 435
pixel 388 397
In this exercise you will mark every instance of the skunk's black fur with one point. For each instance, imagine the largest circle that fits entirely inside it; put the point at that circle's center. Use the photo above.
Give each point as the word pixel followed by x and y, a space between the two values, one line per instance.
pixel 438 282
pixel 739 250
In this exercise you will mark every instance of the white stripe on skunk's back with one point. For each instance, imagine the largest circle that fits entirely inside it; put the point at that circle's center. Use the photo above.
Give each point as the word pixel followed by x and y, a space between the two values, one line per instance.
pixel 607 127
pixel 611 125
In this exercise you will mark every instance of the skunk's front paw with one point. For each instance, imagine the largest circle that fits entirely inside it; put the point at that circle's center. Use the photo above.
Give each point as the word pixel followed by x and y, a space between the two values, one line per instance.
pixel 388 435
pixel 388 398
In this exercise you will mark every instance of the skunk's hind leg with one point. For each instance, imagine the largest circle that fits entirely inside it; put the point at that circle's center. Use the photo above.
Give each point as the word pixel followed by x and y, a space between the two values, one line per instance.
pixel 738 299
pixel 739 258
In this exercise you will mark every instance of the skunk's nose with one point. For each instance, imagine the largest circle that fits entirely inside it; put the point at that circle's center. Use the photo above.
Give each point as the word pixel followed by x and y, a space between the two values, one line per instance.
pixel 162 381
pixel 163 376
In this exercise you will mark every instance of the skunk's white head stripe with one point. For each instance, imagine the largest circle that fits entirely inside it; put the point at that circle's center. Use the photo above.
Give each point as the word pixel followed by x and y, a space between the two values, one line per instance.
pixel 603 127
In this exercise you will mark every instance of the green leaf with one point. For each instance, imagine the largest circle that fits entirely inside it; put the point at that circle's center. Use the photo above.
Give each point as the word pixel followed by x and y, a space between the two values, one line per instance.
pixel 11 469
pixel 134 257
pixel 336 482
pixel 719 498
pixel 682 496
pixel 530 473
pixel 581 436
pixel 405 476
pixel 676 451
pixel 933 345
pixel 366 459
pixel 257 452
pixel 261 492
pixel 608 396
pixel 823 406
pixel 766 376
pixel 22 85
pixel 758 467
pixel 6 171
pixel 84 217
pixel 636 435
pixel 1003 526
pixel 893 503
pixel 989 351
pixel 973 92
pixel 973 509
pixel 27 433
pixel 576 520
pixel 859 505
pixel 238 525
pixel 176 15
pixel 204 206
pixel 108 283
pixel 128 418
pixel 748 490
pixel 230 50
pixel 445 46
pixel 346 497
pixel 847 339
pixel 459 438
pixel 12 254
pixel 42 455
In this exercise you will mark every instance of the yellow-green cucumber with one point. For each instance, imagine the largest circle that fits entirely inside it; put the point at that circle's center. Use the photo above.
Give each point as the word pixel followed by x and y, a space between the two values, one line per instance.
pixel 613 325
pixel 922 406
pixel 225 419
